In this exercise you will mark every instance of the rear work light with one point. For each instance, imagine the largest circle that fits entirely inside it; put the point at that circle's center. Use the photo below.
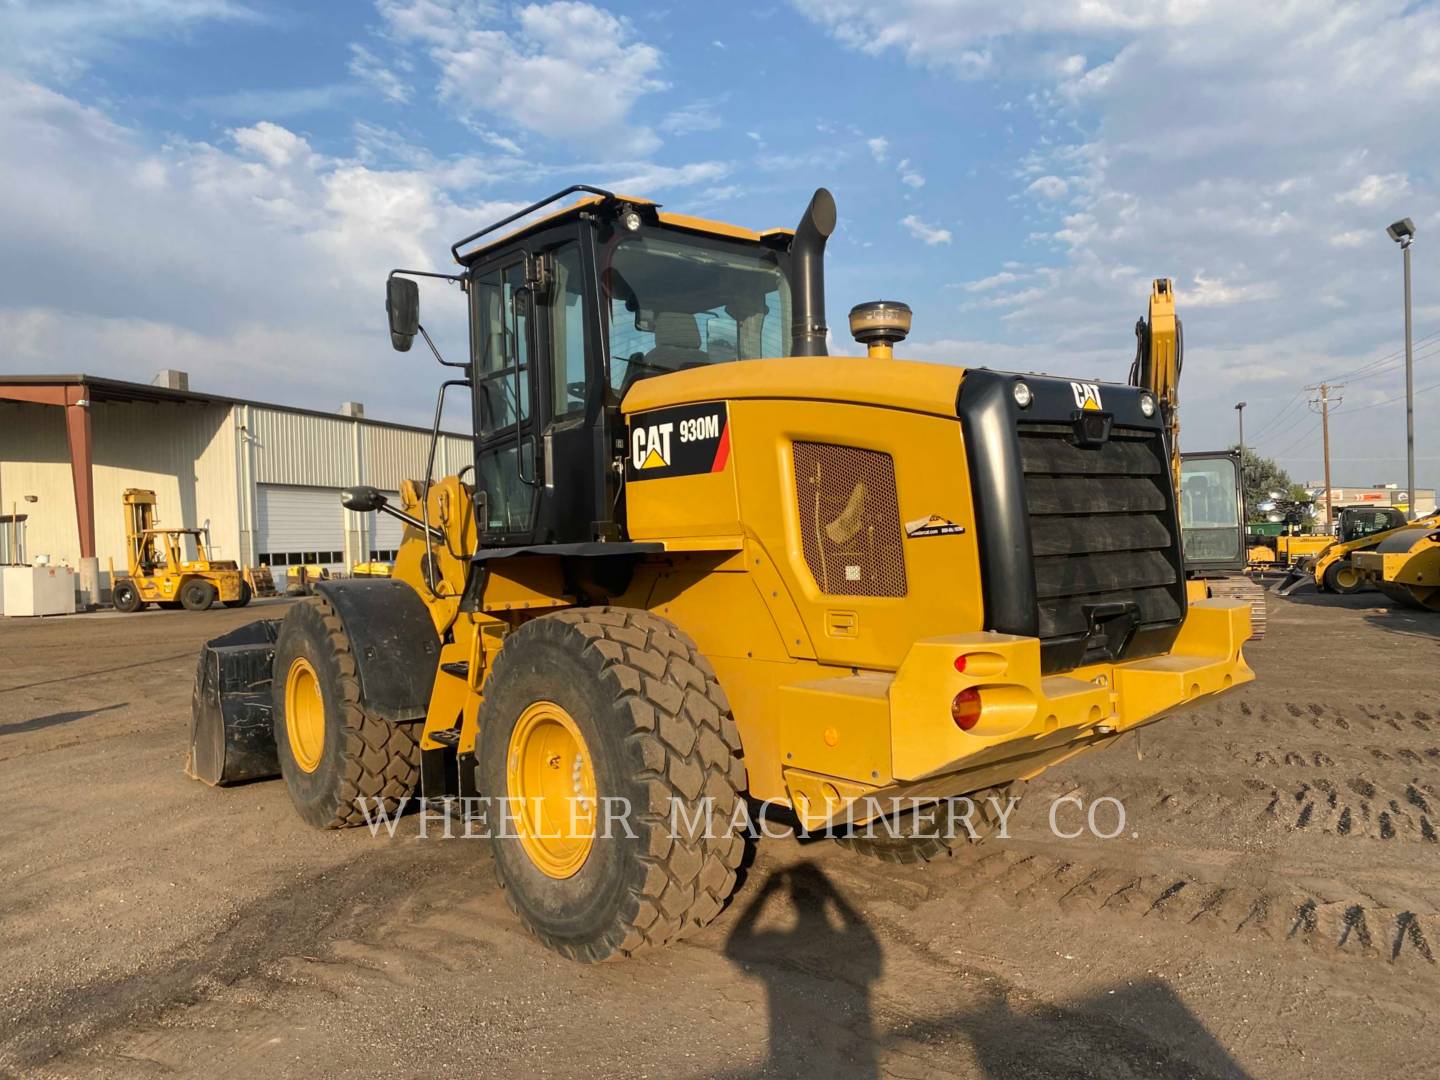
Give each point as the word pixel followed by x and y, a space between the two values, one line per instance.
pixel 965 708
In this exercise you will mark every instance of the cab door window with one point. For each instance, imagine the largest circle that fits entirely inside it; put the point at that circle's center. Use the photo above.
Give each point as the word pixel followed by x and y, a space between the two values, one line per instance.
pixel 504 465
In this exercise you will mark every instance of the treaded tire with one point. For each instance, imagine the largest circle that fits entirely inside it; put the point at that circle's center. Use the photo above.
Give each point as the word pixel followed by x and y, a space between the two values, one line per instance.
pixel 906 849
pixel 1332 579
pixel 126 597
pixel 244 598
pixel 197 595
pixel 363 756
pixel 658 728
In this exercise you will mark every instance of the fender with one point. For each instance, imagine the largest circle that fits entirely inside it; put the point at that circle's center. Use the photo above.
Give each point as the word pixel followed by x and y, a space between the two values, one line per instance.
pixel 393 640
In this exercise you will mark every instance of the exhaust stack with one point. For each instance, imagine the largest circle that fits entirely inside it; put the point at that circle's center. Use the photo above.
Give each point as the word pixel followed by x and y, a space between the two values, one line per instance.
pixel 807 275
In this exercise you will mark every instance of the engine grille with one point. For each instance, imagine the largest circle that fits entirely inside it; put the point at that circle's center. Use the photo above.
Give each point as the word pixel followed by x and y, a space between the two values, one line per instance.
pixel 1107 565
pixel 849 519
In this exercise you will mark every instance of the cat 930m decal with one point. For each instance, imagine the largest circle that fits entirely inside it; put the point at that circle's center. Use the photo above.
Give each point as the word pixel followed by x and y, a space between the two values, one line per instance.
pixel 679 441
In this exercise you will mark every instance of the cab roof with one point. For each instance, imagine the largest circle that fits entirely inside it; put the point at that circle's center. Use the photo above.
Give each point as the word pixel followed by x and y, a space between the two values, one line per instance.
pixel 575 209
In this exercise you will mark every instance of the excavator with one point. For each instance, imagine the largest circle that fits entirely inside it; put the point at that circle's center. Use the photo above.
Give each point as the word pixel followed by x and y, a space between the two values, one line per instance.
pixel 1208 486
pixel 700 564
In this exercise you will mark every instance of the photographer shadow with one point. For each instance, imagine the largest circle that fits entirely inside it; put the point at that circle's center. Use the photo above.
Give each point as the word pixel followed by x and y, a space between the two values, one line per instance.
pixel 819 961
pixel 817 971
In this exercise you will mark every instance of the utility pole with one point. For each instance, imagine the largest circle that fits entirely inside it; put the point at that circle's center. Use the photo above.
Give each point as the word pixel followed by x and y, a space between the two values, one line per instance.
pixel 1324 401
pixel 1240 412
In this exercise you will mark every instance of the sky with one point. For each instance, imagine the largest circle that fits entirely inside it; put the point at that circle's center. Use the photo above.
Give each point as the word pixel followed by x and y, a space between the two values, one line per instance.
pixel 220 186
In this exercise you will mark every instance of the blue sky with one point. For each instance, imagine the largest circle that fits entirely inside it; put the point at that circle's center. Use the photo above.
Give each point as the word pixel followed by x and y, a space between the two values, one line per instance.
pixel 220 185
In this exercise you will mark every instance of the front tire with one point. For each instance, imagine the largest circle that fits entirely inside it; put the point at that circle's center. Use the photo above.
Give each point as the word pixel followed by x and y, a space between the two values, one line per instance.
pixel 126 597
pixel 625 712
pixel 1341 577
pixel 338 761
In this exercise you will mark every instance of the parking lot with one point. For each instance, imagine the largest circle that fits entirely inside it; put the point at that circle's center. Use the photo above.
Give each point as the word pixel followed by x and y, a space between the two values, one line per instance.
pixel 1270 908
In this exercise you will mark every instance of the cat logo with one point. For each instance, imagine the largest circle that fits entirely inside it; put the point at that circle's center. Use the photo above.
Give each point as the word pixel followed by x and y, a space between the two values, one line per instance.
pixel 650 446
pixel 1087 395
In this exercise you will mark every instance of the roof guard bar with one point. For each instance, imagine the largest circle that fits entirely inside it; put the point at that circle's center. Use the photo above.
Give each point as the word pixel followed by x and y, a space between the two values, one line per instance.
pixel 571 190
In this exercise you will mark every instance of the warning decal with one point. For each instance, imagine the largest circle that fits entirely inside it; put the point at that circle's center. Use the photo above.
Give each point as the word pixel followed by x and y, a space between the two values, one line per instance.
pixel 680 441
pixel 934 525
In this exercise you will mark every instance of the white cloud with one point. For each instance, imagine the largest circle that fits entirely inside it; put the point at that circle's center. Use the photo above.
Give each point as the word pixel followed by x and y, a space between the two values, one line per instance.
pixel 1049 187
pixel 1374 188
pixel 994 281
pixel 255 263
pixel 567 70
pixel 909 176
pixel 879 147
pixel 929 234
pixel 696 117
pixel 369 68
pixel 62 37
pixel 1213 292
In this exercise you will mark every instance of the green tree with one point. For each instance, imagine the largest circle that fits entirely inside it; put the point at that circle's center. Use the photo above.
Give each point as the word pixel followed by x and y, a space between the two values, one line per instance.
pixel 1263 478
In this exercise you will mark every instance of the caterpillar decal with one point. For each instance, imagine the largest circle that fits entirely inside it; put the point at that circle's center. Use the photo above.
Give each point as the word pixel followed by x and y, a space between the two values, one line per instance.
pixel 680 441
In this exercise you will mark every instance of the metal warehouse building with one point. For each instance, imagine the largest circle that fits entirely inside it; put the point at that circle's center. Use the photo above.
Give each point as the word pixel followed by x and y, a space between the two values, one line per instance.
pixel 266 479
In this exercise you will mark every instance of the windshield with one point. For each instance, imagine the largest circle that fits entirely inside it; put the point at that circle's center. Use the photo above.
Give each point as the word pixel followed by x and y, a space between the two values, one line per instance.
pixel 674 304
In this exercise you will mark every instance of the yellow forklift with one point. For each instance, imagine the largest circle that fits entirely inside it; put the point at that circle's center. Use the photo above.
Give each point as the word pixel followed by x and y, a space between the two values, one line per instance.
pixel 701 564
pixel 172 567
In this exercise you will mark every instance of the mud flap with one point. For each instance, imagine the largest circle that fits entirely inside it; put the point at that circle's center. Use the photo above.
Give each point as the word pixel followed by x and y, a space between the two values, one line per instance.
pixel 232 737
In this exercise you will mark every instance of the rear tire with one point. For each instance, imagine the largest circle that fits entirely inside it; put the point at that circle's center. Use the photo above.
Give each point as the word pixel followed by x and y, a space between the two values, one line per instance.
pixel 244 598
pixel 895 840
pixel 654 728
pixel 197 595
pixel 1340 577
pixel 353 756
pixel 126 597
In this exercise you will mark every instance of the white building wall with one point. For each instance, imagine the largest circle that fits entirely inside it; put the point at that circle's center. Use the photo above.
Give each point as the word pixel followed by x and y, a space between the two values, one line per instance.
pixel 183 452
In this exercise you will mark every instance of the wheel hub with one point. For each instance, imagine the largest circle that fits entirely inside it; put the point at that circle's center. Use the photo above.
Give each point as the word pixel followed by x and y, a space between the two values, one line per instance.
pixel 551 784
pixel 304 714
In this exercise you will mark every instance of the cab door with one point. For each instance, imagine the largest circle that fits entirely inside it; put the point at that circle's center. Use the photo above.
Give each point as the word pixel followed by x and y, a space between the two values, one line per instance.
pixel 503 345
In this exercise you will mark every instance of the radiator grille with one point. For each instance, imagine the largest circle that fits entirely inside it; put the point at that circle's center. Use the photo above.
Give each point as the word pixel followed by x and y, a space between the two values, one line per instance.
pixel 849 519
pixel 1103 538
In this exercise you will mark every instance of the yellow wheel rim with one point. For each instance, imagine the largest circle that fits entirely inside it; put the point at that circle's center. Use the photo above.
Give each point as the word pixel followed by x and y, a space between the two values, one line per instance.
pixel 304 714
pixel 1347 577
pixel 551 784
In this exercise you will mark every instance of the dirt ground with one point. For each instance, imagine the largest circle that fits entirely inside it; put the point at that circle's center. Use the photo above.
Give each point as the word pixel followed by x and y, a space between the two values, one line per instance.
pixel 1271 908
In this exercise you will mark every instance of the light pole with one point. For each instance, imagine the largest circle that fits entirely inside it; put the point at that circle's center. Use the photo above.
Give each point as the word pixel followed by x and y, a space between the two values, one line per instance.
pixel 1403 233
pixel 1240 414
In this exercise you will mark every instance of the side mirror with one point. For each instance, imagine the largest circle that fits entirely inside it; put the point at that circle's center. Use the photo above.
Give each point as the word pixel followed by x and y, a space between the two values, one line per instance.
pixel 402 304
pixel 363 499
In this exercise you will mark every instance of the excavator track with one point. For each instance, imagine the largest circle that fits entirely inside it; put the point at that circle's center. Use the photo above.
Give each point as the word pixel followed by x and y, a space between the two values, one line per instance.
pixel 1242 588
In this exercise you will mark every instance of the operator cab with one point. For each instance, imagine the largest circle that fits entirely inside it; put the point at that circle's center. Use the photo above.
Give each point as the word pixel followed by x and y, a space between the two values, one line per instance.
pixel 569 311
pixel 1357 522
pixel 1211 511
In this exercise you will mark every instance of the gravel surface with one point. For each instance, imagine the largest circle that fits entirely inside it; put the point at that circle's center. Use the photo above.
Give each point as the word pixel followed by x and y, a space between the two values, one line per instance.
pixel 1271 907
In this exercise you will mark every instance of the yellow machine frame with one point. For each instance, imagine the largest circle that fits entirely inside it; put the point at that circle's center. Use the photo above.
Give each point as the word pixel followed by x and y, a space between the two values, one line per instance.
pixel 836 698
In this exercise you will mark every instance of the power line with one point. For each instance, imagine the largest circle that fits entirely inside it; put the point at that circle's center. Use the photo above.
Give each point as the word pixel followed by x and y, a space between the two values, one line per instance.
pixel 1310 433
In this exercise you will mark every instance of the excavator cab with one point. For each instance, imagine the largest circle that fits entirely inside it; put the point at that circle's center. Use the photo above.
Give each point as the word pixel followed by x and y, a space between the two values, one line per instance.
pixel 1212 512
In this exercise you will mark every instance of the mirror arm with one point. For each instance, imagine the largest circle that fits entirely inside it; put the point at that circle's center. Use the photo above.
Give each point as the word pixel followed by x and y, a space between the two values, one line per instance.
pixel 433 349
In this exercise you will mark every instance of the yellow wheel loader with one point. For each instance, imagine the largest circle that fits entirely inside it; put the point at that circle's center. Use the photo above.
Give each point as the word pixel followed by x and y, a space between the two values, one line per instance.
pixel 702 566
pixel 172 567
pixel 1405 566
pixel 1359 529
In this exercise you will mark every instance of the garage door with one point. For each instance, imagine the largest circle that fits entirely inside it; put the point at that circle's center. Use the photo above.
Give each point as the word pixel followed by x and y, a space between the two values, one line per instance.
pixel 299 526
pixel 385 531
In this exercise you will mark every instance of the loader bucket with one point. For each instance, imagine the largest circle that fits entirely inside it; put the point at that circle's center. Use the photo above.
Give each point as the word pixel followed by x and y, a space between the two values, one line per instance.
pixel 232 738
pixel 1294 580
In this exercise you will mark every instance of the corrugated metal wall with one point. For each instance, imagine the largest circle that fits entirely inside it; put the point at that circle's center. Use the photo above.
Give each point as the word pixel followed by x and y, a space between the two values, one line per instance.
pixel 204 462
pixel 185 453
